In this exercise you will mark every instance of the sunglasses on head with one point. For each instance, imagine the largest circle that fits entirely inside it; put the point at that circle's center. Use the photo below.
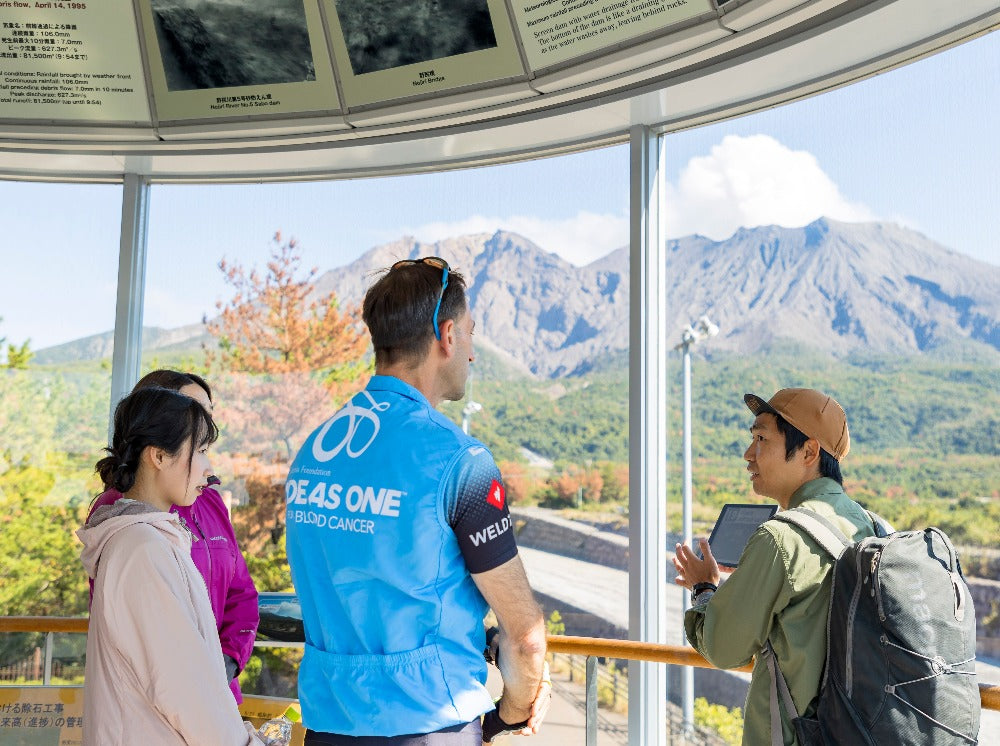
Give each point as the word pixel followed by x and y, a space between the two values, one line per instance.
pixel 438 263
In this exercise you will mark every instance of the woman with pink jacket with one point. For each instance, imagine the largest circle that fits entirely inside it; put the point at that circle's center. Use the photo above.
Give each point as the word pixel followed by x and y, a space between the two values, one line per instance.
pixel 213 549
pixel 155 672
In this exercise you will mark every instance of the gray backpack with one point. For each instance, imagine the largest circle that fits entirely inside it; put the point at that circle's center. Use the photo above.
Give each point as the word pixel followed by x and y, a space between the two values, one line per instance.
pixel 901 643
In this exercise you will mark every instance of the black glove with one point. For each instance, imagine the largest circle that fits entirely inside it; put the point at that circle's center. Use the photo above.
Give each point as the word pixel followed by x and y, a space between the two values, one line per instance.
pixel 494 726
pixel 232 667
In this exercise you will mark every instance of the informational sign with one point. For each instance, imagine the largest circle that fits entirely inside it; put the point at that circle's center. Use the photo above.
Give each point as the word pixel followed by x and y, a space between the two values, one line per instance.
pixel 41 715
pixel 56 62
pixel 235 58
pixel 390 50
pixel 553 31
pixel 53 715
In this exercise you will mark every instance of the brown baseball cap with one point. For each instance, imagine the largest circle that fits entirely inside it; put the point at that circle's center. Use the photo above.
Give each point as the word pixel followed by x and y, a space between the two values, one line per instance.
pixel 814 413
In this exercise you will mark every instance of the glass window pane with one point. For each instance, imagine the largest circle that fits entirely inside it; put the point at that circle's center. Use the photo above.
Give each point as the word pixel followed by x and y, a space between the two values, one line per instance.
pixel 57 303
pixel 847 242
pixel 543 247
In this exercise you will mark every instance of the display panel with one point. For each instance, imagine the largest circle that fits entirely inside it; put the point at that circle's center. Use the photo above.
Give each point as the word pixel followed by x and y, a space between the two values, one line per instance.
pixel 553 31
pixel 734 528
pixel 232 58
pixel 55 62
pixel 385 50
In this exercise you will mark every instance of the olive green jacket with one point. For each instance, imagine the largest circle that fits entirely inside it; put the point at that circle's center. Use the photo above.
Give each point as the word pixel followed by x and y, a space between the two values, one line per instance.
pixel 781 591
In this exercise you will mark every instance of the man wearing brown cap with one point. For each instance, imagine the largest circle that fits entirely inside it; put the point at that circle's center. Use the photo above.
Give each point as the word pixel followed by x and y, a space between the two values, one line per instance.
pixel 781 590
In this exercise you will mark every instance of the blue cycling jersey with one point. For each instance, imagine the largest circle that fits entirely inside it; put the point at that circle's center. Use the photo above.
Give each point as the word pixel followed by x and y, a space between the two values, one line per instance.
pixel 390 508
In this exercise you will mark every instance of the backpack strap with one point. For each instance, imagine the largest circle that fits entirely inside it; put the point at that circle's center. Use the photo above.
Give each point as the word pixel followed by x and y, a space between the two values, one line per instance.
pixel 882 527
pixel 832 540
pixel 822 531
pixel 778 686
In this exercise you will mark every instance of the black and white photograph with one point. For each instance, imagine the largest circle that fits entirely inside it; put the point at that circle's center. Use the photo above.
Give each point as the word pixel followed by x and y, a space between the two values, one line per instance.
pixel 384 34
pixel 227 43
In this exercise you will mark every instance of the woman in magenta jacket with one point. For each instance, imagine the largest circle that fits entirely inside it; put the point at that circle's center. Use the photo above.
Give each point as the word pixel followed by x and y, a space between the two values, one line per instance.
pixel 213 549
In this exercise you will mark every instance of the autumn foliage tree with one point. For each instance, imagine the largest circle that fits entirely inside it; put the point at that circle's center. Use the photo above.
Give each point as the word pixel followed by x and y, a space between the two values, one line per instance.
pixel 290 354
pixel 286 358
pixel 575 481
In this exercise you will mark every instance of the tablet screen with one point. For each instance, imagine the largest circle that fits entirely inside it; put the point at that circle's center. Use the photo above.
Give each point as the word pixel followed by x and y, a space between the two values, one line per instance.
pixel 733 529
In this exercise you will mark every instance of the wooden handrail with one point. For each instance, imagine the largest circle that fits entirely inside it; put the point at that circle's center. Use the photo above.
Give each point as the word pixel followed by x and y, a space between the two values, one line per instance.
pixel 678 655
pixel 683 656
pixel 44 624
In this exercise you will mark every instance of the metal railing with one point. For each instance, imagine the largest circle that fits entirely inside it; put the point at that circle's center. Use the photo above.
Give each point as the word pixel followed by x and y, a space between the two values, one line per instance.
pixel 591 648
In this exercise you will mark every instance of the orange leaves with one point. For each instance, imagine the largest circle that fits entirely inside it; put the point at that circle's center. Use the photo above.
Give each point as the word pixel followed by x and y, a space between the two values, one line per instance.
pixel 276 323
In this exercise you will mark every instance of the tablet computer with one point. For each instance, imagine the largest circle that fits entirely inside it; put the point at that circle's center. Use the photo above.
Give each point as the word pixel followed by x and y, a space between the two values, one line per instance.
pixel 733 530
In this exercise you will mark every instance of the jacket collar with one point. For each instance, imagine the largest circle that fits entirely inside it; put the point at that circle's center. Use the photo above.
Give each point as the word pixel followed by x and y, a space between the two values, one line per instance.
pixel 397 386
pixel 824 489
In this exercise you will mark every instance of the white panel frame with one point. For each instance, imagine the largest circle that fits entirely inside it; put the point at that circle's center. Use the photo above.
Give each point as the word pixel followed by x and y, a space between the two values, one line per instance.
pixel 127 356
pixel 647 436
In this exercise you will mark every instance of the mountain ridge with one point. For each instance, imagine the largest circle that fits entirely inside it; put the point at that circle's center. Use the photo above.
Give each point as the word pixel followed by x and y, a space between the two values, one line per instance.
pixel 841 288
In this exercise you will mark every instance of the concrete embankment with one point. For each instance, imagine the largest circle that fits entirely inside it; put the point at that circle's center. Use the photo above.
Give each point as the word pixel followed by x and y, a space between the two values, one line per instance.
pixel 547 531
pixel 592 596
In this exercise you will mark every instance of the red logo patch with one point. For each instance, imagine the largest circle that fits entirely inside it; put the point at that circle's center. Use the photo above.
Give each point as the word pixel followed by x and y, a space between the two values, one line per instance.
pixel 497 495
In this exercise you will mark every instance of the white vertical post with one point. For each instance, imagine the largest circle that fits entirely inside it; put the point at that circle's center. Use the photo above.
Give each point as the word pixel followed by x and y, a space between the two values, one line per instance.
pixel 125 361
pixel 647 438
pixel 47 671
pixel 687 672
pixel 590 688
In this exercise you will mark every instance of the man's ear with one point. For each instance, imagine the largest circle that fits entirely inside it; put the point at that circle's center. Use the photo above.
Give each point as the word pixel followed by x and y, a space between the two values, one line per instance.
pixel 811 452
pixel 448 333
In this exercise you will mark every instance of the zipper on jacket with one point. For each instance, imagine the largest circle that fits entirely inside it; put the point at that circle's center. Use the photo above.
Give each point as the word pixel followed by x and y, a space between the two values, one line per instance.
pixel 184 523
pixel 208 552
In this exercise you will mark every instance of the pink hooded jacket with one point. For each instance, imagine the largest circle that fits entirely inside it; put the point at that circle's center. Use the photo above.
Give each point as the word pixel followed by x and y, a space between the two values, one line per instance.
pixel 220 562
pixel 154 672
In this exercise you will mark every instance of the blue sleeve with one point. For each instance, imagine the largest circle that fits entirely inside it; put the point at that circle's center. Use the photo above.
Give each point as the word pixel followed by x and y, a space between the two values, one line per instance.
pixel 476 510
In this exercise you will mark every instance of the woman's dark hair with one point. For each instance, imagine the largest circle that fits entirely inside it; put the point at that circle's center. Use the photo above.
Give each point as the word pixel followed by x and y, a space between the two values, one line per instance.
pixel 152 416
pixel 795 439
pixel 173 380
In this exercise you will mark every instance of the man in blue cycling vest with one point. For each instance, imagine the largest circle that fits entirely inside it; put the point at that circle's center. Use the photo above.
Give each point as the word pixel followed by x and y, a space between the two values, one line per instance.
pixel 399 540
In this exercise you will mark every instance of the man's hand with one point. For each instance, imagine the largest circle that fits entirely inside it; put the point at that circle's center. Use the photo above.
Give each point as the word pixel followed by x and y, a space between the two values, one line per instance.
pixel 691 569
pixel 539 709
pixel 520 648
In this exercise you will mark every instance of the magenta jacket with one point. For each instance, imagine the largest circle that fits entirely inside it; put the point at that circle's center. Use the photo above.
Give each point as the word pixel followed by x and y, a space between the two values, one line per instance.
pixel 221 564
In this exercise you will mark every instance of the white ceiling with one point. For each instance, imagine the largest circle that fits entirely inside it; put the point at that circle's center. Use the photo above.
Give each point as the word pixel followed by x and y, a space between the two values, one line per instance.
pixel 754 54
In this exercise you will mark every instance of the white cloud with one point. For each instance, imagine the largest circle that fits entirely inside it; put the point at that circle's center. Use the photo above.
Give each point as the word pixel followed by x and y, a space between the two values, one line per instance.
pixel 742 182
pixel 751 181
pixel 579 239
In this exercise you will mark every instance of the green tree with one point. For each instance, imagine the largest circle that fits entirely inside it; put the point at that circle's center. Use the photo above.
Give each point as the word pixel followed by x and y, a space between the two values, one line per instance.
pixel 17 357
pixel 727 723
pixel 39 551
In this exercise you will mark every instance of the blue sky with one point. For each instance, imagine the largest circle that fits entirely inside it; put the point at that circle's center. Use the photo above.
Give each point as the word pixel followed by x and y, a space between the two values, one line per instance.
pixel 914 146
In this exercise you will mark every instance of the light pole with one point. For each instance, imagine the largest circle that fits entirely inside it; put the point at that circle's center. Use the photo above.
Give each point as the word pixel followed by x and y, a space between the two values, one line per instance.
pixel 703 328
pixel 470 408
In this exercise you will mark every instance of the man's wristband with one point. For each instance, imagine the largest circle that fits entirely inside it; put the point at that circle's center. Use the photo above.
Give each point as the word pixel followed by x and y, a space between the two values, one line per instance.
pixel 698 589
